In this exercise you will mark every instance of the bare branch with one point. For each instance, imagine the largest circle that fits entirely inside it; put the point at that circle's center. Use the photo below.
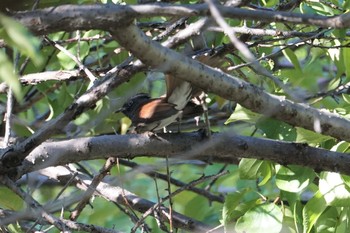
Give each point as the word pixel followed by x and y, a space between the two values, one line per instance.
pixel 229 87
pixel 74 58
pixel 92 187
pixel 13 156
pixel 124 197
pixel 191 184
pixel 222 147
pixel 156 175
pixel 61 224
pixel 73 17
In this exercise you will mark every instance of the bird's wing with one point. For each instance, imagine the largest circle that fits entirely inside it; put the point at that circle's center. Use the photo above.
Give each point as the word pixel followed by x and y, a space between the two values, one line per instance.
pixel 179 92
pixel 157 110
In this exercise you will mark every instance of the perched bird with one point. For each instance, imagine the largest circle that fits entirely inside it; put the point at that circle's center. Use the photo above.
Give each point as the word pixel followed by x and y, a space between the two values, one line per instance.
pixel 149 114
pixel 152 114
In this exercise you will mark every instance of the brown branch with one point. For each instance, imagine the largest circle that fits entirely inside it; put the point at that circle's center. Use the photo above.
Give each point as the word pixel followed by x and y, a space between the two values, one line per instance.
pixel 124 197
pixel 105 17
pixel 156 175
pixel 229 87
pixel 186 146
pixel 92 187
pixel 13 156
pixel 159 204
pixel 61 224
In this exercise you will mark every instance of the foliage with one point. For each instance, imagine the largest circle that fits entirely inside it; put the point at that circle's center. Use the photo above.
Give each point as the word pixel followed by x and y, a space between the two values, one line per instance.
pixel 260 195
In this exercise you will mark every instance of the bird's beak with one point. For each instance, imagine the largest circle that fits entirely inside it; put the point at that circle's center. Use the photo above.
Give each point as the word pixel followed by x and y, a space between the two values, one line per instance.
pixel 119 110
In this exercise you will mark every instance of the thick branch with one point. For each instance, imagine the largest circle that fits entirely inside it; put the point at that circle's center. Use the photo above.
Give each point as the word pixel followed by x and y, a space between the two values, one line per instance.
pixel 229 87
pixel 105 17
pixel 13 156
pixel 184 146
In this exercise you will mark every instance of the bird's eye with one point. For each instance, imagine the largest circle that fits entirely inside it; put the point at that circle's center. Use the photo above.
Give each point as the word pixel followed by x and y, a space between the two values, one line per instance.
pixel 130 103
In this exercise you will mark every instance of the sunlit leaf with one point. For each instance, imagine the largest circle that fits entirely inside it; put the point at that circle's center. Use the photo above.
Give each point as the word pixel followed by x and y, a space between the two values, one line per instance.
pixel 341 146
pixel 328 221
pixel 313 210
pixel 304 135
pixel 265 218
pixel 333 188
pixel 66 61
pixel 243 114
pixel 294 178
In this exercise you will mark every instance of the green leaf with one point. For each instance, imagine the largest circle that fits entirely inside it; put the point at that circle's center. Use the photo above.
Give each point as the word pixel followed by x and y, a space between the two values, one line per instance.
pixel 16 35
pixel 346 57
pixel 276 129
pixel 263 218
pixel 341 146
pixel 310 137
pixel 200 202
pixel 294 179
pixel 290 55
pixel 15 228
pixel 343 220
pixel 290 219
pixel 8 75
pixel 333 188
pixel 243 114
pixel 251 169
pixel 346 98
pixel 66 61
pixel 313 210
pixel 10 200
pixel 328 221
pixel 229 210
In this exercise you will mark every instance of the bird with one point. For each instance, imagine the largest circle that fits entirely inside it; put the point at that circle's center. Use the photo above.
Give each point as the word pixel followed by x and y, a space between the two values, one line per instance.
pixel 153 114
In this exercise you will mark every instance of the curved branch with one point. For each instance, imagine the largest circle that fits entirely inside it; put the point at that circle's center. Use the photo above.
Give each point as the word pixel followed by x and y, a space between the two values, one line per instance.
pixel 124 197
pixel 13 156
pixel 105 17
pixel 185 146
pixel 229 87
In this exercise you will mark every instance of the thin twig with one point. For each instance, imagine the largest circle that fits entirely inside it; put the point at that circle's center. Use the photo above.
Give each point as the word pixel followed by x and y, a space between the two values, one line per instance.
pixel 156 215
pixel 127 204
pixel 8 117
pixel 193 183
pixel 212 182
pixel 150 172
pixel 61 224
pixel 92 187
pixel 9 106
pixel 75 59
pixel 170 199
pixel 247 53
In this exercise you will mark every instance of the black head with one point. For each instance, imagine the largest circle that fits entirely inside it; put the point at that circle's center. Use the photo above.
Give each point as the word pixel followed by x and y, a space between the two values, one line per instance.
pixel 130 106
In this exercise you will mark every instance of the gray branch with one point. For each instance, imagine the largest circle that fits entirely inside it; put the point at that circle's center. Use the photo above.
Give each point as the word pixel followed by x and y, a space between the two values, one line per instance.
pixel 229 87
pixel 105 17
pixel 185 146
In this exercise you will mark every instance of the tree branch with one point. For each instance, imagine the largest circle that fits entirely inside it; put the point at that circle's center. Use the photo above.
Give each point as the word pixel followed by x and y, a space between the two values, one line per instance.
pixel 229 87
pixel 41 212
pixel 105 17
pixel 11 157
pixel 185 146
pixel 124 197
